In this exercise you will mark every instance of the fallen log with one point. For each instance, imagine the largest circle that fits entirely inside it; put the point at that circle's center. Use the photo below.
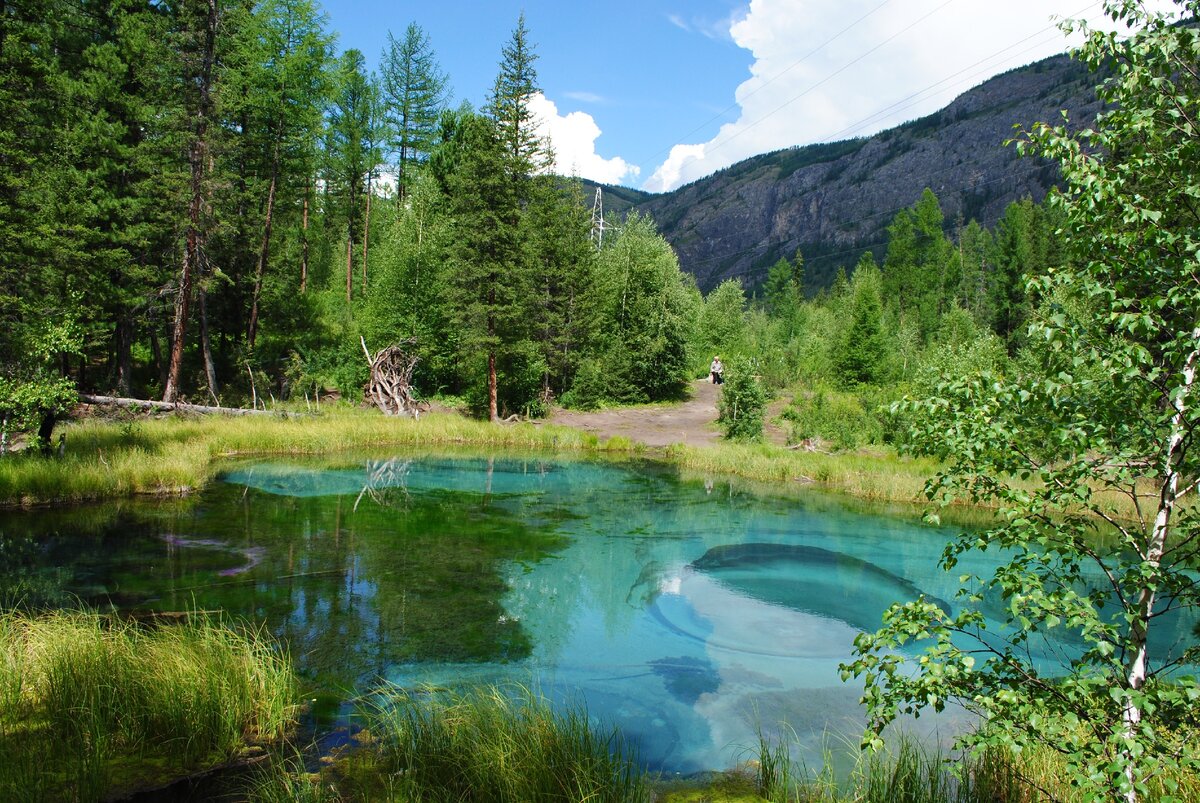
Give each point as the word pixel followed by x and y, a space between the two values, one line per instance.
pixel 148 404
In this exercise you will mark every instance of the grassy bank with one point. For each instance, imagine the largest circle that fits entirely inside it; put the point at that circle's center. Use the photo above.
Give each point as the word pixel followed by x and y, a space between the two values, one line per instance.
pixel 92 706
pixel 104 460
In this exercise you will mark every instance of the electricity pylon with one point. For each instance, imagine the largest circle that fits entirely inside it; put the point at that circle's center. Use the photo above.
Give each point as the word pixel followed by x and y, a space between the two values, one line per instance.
pixel 598 218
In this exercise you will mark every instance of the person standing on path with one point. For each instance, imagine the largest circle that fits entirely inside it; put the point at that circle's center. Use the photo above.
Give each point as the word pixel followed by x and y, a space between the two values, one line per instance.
pixel 718 371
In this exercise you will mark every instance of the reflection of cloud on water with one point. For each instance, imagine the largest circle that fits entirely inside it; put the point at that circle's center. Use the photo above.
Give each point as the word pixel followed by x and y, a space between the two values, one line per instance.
pixel 813 580
pixel 777 672
pixel 687 677
pixel 726 621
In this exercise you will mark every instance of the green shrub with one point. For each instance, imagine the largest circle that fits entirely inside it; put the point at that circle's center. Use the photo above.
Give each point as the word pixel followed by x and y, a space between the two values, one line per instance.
pixel 590 388
pixel 841 418
pixel 519 376
pixel 743 402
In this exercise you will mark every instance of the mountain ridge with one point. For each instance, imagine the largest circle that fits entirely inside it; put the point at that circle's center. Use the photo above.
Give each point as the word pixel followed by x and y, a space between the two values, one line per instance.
pixel 833 201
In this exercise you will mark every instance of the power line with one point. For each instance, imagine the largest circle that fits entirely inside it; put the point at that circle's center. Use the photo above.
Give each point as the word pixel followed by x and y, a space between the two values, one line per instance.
pixel 896 106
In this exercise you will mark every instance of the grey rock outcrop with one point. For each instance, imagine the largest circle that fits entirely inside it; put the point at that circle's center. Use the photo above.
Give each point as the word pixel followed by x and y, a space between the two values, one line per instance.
pixel 834 201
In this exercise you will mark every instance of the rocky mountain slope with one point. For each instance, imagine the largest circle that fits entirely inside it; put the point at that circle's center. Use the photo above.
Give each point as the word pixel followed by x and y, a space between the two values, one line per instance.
pixel 834 201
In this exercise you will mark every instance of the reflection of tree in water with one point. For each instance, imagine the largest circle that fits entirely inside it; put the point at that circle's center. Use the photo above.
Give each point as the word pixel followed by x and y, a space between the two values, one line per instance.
pixel 61 558
pixel 25 582
pixel 356 584
pixel 387 483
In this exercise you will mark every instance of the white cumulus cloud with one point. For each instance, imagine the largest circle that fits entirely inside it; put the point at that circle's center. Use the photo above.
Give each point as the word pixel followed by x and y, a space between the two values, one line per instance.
pixel 826 70
pixel 573 137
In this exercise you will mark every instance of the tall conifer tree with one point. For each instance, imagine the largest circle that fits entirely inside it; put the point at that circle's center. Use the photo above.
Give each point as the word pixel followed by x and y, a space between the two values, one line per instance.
pixel 414 92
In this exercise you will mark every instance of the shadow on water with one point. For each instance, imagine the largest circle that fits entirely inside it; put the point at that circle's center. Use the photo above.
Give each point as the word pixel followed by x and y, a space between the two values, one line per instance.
pixel 812 580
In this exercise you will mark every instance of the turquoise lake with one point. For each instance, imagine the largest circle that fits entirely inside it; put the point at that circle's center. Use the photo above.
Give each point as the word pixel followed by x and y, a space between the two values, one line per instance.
pixel 688 613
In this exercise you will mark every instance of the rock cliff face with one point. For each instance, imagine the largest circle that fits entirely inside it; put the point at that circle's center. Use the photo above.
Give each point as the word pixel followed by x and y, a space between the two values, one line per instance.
pixel 834 201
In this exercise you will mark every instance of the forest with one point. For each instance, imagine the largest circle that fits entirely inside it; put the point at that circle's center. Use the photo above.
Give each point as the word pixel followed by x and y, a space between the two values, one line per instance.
pixel 204 201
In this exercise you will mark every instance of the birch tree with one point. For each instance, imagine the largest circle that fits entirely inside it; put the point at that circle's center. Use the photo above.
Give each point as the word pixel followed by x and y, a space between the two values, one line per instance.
pixel 1088 455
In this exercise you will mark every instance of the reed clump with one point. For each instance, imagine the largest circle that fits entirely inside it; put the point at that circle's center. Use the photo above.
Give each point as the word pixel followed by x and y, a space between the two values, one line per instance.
pixel 92 706
pixel 493 744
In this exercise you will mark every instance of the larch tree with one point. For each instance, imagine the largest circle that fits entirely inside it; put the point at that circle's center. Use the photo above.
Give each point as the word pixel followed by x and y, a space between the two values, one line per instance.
pixel 286 94
pixel 352 154
pixel 861 352
pixel 509 106
pixel 414 92
pixel 563 306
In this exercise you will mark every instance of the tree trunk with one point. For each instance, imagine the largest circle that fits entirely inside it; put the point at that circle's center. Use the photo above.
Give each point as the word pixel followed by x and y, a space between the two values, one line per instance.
pixel 46 433
pixel 1135 666
pixel 210 368
pixel 124 356
pixel 366 233
pixel 160 369
pixel 493 413
pixel 349 268
pixel 263 253
pixel 304 246
pixel 183 302
pixel 145 404
pixel 197 152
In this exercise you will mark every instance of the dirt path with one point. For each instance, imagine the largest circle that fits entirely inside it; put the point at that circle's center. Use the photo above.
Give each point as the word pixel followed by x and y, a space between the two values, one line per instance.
pixel 693 422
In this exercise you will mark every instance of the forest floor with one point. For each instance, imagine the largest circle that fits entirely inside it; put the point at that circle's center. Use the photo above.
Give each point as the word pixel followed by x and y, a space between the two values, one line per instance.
pixel 692 422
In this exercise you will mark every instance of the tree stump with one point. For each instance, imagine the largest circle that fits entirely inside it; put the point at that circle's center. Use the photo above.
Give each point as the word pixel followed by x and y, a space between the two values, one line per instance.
pixel 389 388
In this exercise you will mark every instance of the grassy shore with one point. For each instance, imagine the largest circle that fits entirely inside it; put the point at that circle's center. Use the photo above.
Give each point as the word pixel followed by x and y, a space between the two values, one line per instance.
pixel 175 456
pixel 92 707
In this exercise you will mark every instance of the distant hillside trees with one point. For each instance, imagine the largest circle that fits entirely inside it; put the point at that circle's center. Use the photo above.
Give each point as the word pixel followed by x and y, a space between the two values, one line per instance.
pixel 944 295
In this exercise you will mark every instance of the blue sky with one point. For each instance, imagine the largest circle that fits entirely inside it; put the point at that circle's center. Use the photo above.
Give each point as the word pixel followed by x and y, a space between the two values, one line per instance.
pixel 656 93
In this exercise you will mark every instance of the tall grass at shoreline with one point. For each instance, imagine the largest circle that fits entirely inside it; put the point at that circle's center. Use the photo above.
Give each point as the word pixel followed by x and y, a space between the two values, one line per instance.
pixel 493 745
pixel 174 456
pixel 91 706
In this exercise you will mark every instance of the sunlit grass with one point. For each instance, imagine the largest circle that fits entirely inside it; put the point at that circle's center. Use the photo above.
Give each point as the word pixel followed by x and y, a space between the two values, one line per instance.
pixel 880 477
pixel 91 706
pixel 179 455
